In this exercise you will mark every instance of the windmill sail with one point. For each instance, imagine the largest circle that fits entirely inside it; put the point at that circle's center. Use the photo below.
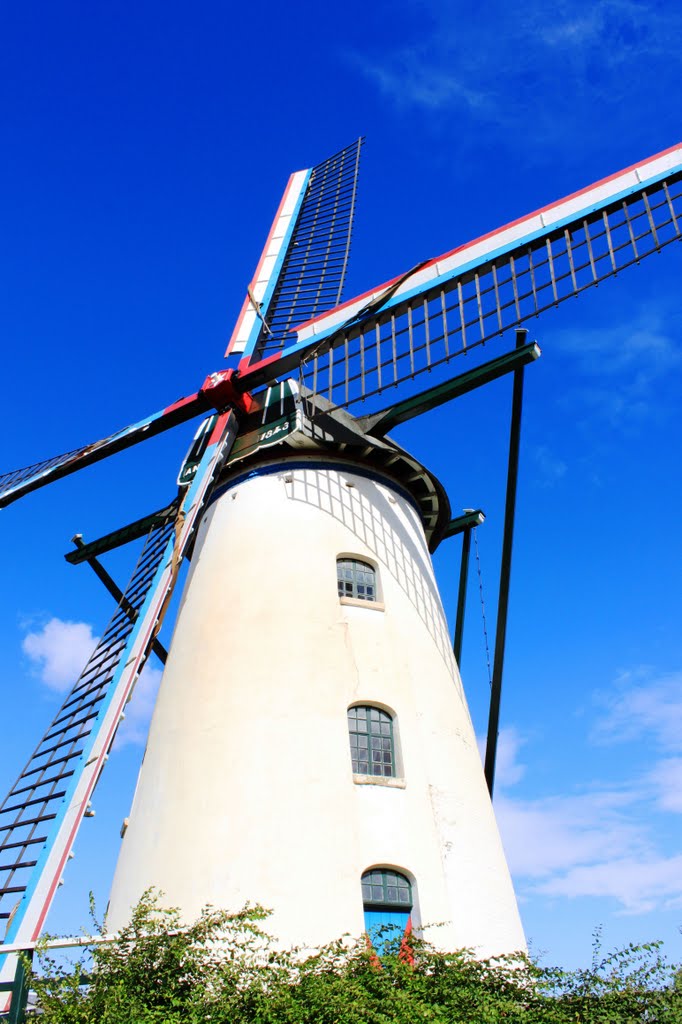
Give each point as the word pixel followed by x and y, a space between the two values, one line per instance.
pixel 41 815
pixel 449 305
pixel 34 801
pixel 217 392
pixel 15 484
pixel 303 265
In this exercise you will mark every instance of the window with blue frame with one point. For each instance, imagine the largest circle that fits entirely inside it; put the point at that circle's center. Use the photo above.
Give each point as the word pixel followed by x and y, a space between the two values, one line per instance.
pixel 372 744
pixel 387 902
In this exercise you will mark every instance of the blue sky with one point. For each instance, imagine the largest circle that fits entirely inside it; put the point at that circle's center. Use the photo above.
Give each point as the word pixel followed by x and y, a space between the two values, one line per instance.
pixel 144 156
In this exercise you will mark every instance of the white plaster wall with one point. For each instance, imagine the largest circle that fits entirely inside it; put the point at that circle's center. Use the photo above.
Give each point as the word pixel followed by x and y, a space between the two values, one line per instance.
pixel 246 790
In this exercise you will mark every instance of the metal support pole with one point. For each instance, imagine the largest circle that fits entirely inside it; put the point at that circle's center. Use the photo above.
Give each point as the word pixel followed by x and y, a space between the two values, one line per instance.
pixel 505 570
pixel 19 998
pixel 118 595
pixel 462 596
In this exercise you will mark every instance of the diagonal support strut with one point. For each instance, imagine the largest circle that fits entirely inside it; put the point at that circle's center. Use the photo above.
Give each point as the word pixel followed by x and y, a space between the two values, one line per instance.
pixel 117 594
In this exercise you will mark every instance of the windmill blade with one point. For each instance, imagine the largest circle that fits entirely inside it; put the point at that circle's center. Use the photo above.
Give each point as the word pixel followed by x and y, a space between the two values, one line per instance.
pixel 449 305
pixel 303 265
pixel 38 795
pixel 41 815
pixel 217 392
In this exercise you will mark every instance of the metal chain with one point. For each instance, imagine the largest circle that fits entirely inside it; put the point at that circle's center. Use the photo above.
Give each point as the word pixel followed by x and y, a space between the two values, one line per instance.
pixel 480 591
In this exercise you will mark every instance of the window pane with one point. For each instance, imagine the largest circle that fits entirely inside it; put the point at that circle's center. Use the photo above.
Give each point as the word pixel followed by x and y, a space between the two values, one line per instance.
pixel 356 579
pixel 387 889
pixel 370 732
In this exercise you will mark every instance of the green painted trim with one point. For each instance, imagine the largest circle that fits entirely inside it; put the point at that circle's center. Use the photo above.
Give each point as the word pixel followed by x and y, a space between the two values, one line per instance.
pixel 378 737
pixel 385 874
pixel 20 989
pixel 140 528
pixel 379 423
pixel 474 518
pixel 266 435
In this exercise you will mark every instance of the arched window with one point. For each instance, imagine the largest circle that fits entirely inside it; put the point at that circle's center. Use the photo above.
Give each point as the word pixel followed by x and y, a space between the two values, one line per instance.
pixel 386 899
pixel 372 746
pixel 356 579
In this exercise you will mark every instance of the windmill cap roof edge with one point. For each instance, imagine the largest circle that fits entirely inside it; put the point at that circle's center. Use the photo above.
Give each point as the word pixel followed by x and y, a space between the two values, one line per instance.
pixel 314 432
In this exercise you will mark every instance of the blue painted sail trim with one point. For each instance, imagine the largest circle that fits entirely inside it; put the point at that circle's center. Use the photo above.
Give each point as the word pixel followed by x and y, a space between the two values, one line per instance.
pixel 42 792
pixel 313 266
pixel 119 674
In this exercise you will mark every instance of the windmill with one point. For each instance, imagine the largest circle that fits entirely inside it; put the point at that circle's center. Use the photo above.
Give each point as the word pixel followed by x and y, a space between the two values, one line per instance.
pixel 356 734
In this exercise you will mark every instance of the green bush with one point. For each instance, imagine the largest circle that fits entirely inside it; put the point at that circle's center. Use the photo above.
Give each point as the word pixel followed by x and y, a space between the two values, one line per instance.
pixel 225 969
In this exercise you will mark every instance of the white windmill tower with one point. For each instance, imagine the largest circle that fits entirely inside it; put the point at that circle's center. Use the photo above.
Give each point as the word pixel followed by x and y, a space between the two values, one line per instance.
pixel 311 746
pixel 338 771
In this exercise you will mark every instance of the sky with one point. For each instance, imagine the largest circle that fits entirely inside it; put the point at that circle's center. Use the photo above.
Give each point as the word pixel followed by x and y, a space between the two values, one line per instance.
pixel 145 149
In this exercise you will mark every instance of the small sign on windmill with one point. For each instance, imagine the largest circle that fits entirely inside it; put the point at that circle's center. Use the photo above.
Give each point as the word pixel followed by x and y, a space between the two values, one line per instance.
pixel 311 747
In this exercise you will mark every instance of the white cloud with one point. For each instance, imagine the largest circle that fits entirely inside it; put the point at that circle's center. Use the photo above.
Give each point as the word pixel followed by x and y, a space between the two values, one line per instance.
pixel 576 31
pixel 666 780
pixel 550 468
pixel 547 836
pixel 621 365
pixel 619 30
pixel 537 76
pixel 138 712
pixel 642 704
pixel 59 652
pixel 595 844
pixel 409 78
pixel 604 840
pixel 509 769
pixel 640 885
pixel 643 350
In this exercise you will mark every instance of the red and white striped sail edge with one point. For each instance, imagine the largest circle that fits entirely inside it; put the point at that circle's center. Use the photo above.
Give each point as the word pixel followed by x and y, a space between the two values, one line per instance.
pixel 266 271
pixel 472 254
pixel 43 890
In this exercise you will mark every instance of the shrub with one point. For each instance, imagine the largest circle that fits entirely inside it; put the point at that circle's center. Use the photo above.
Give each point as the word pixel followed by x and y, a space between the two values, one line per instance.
pixel 225 968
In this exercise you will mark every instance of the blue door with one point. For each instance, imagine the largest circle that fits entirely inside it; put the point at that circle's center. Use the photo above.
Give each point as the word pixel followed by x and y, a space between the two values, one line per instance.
pixel 384 926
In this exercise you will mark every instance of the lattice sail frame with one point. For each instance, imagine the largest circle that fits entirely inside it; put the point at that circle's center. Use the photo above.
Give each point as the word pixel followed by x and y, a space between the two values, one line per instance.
pixel 217 392
pixel 303 265
pixel 36 797
pixel 450 305
pixel 47 803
